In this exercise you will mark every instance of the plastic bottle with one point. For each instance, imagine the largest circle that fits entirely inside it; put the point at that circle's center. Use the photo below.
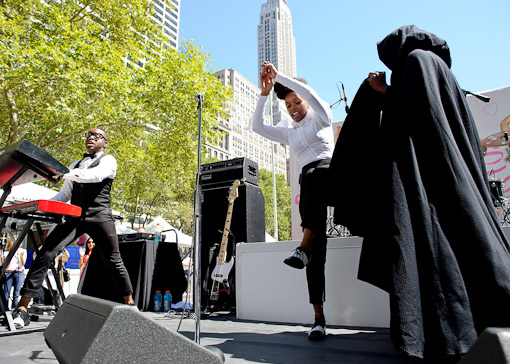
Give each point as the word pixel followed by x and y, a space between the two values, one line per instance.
pixel 158 301
pixel 167 301
pixel 157 233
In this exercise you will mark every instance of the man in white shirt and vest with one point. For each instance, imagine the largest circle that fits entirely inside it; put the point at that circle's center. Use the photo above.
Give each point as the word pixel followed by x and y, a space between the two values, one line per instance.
pixel 87 185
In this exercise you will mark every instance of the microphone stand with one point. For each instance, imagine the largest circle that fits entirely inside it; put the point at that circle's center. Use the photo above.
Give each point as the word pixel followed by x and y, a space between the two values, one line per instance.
pixel 344 98
pixel 197 244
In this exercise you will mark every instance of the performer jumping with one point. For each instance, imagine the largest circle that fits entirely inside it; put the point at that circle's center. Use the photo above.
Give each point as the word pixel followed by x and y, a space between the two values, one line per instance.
pixel 87 185
pixel 310 137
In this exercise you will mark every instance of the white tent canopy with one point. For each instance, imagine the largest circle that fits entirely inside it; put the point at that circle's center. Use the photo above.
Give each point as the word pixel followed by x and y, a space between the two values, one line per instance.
pixel 26 192
pixel 171 233
pixel 29 192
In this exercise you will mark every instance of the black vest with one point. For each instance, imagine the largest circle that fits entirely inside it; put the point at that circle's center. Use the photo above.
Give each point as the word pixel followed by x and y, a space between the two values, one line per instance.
pixel 92 197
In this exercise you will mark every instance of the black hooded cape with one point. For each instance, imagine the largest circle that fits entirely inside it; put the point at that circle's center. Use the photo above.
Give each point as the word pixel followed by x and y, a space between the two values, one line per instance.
pixel 431 236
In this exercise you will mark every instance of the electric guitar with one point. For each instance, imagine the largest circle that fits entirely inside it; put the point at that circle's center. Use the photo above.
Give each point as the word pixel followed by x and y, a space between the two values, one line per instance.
pixel 222 269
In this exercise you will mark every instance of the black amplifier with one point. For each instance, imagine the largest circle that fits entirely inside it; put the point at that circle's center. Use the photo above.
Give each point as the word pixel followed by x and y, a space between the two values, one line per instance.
pixel 223 172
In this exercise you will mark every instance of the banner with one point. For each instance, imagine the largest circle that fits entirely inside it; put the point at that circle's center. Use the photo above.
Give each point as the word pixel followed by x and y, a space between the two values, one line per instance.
pixel 493 123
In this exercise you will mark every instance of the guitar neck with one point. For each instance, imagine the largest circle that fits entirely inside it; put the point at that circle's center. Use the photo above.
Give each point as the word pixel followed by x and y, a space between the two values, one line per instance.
pixel 222 254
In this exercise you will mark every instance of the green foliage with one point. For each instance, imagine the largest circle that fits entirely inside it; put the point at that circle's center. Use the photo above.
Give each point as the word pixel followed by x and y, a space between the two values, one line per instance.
pixel 283 203
pixel 207 160
pixel 63 71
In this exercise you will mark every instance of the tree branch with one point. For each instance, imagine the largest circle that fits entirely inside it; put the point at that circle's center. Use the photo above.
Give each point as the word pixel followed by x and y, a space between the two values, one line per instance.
pixel 47 132
pixel 13 115
pixel 67 137
pixel 85 6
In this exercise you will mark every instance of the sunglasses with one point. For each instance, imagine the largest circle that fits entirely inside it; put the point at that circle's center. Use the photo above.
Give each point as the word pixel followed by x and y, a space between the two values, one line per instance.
pixel 95 136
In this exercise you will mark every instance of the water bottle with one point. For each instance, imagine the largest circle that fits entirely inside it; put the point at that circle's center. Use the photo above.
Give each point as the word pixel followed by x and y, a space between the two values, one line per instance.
pixel 157 233
pixel 158 301
pixel 167 301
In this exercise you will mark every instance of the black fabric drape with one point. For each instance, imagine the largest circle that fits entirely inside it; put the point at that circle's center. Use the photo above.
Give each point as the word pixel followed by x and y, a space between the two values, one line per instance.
pixel 151 266
pixel 357 147
pixel 438 249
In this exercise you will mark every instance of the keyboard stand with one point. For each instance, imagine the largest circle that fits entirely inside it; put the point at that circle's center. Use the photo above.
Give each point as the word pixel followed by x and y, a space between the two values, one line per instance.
pixel 24 162
pixel 27 229
pixel 3 310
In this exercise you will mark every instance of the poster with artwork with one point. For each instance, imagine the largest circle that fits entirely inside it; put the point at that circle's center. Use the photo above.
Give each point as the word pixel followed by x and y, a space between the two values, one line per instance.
pixel 492 120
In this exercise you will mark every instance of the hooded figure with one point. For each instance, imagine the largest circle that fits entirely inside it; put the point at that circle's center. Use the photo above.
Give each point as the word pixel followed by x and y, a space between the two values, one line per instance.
pixel 434 242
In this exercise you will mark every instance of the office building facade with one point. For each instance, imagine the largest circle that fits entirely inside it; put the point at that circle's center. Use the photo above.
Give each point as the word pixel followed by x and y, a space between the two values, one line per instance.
pixel 168 17
pixel 238 140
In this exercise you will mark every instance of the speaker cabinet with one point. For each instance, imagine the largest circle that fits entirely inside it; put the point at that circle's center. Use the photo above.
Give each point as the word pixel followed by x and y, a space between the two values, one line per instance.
pixel 248 223
pixel 92 330
pixel 493 346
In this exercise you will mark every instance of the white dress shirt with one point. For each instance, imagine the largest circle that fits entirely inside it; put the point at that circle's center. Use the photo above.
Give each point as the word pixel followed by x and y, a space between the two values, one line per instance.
pixel 107 168
pixel 311 138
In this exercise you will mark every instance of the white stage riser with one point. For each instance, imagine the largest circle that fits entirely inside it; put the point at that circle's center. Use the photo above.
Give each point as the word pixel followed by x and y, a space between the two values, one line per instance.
pixel 268 290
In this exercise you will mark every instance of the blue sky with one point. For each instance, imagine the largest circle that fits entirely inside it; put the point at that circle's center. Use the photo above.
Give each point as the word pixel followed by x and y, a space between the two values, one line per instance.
pixel 337 40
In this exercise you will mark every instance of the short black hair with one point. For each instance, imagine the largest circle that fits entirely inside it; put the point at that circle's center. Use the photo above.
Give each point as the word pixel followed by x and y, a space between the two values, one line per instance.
pixel 105 133
pixel 283 91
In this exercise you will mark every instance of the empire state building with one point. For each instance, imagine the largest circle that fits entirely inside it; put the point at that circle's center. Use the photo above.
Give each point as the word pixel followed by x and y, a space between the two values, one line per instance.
pixel 276 42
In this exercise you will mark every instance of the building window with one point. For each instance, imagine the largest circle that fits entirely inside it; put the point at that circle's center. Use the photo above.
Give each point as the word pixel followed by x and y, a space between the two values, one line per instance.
pixel 171 27
pixel 171 20
pixel 158 10
pixel 172 13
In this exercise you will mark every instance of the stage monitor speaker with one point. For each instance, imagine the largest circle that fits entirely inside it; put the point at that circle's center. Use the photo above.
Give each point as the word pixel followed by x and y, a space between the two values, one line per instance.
pixel 92 330
pixel 493 346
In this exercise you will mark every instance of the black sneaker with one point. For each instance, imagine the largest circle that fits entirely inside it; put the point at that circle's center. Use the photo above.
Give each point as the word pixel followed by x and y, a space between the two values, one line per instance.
pixel 20 318
pixel 299 259
pixel 318 331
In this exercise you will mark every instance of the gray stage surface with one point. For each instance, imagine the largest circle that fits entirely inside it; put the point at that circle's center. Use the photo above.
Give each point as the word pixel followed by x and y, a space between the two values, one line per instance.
pixel 240 341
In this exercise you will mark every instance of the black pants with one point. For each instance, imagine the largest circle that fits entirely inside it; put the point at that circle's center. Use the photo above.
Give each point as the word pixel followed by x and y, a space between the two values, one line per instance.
pixel 313 211
pixel 101 228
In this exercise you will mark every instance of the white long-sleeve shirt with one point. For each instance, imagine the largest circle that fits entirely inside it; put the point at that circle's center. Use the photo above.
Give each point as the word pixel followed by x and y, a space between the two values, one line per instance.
pixel 107 168
pixel 310 139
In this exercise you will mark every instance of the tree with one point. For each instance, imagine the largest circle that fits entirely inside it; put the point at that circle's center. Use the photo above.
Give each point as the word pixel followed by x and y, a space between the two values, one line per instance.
pixel 63 71
pixel 62 68
pixel 283 203
pixel 166 156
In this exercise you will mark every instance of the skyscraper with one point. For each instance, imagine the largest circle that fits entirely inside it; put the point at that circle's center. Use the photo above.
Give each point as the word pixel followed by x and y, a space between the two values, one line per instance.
pixel 168 17
pixel 276 42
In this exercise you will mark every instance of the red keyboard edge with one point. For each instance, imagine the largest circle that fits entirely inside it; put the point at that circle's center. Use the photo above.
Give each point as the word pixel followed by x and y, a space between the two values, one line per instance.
pixel 47 206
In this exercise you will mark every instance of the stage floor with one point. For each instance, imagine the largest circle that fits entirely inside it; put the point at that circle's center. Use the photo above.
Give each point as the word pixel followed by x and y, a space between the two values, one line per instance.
pixel 241 341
